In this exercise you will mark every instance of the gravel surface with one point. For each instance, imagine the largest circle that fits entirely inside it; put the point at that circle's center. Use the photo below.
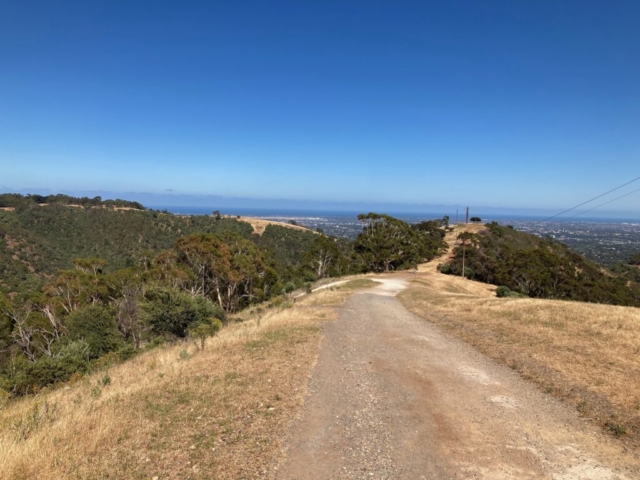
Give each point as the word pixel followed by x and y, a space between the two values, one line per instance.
pixel 393 397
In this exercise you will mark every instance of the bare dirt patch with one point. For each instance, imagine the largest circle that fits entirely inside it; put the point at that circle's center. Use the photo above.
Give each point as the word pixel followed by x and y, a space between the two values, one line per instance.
pixel 260 224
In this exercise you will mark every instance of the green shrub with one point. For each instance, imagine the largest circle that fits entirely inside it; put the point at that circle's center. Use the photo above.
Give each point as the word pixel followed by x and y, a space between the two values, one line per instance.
pixel 444 268
pixel 503 291
pixel 47 371
pixel 97 326
pixel 506 292
pixel 204 329
pixel 289 287
pixel 170 311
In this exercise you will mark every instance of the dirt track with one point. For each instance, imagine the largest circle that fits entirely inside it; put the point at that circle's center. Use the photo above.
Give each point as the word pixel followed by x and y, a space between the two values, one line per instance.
pixel 392 397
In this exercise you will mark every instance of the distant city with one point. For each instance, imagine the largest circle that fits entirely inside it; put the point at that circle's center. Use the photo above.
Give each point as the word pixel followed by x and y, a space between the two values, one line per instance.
pixel 604 241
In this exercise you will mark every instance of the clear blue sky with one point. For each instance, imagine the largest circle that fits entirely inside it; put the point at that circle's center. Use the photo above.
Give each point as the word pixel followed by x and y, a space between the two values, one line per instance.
pixel 501 103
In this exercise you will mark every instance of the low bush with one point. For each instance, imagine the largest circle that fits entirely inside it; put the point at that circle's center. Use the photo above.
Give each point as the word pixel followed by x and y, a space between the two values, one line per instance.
pixel 506 292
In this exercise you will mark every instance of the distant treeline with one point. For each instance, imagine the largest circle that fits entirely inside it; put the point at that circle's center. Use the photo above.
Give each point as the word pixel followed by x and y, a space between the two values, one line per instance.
pixel 17 201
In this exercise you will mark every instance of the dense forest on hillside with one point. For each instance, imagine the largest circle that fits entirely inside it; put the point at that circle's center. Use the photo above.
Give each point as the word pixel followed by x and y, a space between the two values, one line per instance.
pixel 540 267
pixel 83 287
pixel 37 241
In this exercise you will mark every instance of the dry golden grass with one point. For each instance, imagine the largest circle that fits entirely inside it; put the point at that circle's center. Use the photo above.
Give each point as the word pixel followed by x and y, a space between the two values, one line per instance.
pixel 176 411
pixel 260 224
pixel 586 354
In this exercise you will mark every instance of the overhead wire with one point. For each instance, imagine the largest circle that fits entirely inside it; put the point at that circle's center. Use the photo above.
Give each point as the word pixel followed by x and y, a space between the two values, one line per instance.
pixel 591 200
pixel 603 204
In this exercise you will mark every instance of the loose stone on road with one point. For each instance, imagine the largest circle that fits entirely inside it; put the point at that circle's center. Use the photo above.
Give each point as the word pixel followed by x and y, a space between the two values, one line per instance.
pixel 393 397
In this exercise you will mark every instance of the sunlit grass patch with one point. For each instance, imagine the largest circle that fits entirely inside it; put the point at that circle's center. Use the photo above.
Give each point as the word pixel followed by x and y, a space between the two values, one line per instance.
pixel 587 354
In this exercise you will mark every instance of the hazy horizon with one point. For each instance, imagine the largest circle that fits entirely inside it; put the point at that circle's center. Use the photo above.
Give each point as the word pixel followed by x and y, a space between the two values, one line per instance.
pixel 202 204
pixel 518 105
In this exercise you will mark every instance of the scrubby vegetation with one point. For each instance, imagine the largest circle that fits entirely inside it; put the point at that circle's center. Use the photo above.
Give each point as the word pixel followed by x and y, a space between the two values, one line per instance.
pixel 36 242
pixel 635 259
pixel 83 288
pixel 538 267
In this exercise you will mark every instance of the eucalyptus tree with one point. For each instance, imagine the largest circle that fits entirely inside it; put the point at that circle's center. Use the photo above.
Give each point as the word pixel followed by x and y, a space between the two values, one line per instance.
pixel 387 243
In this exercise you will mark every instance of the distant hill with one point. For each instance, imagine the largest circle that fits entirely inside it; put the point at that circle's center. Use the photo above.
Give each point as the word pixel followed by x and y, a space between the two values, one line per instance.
pixel 41 235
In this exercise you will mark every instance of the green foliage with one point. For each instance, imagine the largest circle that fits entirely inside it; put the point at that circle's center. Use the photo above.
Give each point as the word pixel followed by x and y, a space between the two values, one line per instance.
pixel 5 324
pixel 46 371
pixel 475 219
pixel 95 284
pixel 634 259
pixel 506 292
pixel 627 271
pixel 387 243
pixel 169 311
pixel 16 200
pixel 539 267
pixel 204 329
pixel 96 325
pixel 288 245
pixel 229 270
pixel 40 241
pixel 325 259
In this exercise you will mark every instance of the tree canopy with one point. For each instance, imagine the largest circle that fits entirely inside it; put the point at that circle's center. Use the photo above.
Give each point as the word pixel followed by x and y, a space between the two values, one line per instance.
pixel 387 243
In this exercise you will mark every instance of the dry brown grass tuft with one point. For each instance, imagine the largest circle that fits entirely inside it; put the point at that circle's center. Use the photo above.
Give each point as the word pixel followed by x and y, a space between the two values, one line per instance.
pixel 177 411
pixel 586 354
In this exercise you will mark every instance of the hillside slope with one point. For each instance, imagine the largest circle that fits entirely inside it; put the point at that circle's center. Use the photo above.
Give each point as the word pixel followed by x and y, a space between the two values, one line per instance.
pixel 39 240
pixel 177 411
pixel 535 267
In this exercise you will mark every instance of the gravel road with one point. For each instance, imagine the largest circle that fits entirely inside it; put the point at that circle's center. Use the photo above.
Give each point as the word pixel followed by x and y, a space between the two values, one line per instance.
pixel 393 397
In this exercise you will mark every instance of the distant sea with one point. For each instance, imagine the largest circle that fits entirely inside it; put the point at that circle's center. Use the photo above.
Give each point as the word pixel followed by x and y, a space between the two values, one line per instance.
pixel 408 216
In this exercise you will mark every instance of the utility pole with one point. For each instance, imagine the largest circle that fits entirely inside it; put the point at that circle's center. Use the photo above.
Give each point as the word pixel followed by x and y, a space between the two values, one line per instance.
pixel 467 219
pixel 456 216
pixel 464 250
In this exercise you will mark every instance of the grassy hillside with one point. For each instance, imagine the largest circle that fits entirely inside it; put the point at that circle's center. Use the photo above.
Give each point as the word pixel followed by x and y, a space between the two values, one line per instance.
pixel 585 354
pixel 176 411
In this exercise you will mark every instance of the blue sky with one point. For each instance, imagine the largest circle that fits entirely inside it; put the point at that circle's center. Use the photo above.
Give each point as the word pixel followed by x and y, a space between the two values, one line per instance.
pixel 527 104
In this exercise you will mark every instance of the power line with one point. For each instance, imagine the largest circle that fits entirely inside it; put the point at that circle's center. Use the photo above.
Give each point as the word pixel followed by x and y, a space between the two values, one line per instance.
pixel 594 198
pixel 606 203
